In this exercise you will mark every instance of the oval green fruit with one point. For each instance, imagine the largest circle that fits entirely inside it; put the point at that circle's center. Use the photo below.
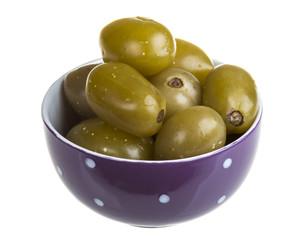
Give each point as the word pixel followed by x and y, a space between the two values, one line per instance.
pixel 142 43
pixel 194 131
pixel 232 92
pixel 121 96
pixel 98 136
pixel 74 89
pixel 192 59
pixel 180 88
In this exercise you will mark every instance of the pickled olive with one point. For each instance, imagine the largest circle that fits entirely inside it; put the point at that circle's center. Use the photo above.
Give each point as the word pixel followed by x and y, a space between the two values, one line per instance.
pixel 74 89
pixel 180 88
pixel 121 96
pixel 192 59
pixel 232 92
pixel 143 43
pixel 98 136
pixel 194 131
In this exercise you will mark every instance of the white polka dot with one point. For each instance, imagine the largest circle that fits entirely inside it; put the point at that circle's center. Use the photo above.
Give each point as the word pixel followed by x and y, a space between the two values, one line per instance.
pixel 90 163
pixel 221 199
pixel 227 163
pixel 59 170
pixel 164 198
pixel 98 202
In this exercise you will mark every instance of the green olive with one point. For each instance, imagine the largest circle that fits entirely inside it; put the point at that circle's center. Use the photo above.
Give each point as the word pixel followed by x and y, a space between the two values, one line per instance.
pixel 194 131
pixel 232 92
pixel 98 136
pixel 192 59
pixel 143 43
pixel 74 89
pixel 121 96
pixel 180 88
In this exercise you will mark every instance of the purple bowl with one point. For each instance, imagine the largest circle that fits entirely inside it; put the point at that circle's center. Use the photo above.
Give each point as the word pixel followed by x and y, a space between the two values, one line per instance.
pixel 144 193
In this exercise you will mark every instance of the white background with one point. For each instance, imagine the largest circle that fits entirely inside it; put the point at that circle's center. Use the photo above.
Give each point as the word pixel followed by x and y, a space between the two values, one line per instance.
pixel 41 40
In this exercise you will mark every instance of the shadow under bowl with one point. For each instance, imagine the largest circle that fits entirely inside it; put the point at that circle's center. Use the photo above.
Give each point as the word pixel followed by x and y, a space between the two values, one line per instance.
pixel 144 193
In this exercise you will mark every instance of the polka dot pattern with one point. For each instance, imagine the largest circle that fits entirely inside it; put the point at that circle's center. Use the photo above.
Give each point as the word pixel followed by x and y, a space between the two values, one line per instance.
pixel 221 199
pixel 227 163
pixel 90 163
pixel 98 202
pixel 59 170
pixel 164 198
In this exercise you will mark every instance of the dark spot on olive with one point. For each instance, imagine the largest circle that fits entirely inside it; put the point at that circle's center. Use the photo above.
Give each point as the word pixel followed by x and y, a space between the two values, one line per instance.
pixel 160 116
pixel 175 82
pixel 235 118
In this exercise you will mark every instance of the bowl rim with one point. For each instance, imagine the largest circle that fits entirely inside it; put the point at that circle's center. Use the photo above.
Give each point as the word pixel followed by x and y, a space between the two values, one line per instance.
pixel 53 131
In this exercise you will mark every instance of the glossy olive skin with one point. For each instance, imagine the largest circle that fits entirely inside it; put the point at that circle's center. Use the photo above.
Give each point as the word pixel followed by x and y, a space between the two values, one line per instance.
pixel 232 92
pixel 143 43
pixel 192 59
pixel 194 131
pixel 180 88
pixel 98 136
pixel 121 96
pixel 74 89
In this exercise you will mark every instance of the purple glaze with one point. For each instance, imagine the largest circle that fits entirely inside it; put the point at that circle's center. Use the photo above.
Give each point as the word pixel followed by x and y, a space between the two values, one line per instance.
pixel 144 193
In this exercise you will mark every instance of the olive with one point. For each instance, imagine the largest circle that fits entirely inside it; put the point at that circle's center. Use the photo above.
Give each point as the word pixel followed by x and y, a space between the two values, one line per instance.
pixel 180 88
pixel 192 59
pixel 232 92
pixel 98 136
pixel 121 96
pixel 194 131
pixel 143 43
pixel 74 89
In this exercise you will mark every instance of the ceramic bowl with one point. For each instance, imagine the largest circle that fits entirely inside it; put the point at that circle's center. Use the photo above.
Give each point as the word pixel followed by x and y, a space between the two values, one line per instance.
pixel 144 193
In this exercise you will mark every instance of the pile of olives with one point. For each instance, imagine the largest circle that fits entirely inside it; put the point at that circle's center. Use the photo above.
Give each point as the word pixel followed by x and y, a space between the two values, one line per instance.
pixel 157 97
